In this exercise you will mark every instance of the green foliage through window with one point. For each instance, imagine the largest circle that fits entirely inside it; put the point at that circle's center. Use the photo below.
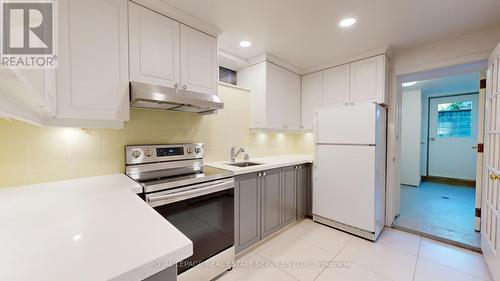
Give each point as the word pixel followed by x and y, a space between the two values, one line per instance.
pixel 454 119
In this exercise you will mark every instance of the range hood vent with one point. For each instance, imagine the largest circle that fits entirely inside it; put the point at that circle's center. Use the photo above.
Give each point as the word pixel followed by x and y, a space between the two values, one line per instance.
pixel 149 96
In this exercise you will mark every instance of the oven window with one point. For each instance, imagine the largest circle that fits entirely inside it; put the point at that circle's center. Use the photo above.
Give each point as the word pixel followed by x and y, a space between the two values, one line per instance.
pixel 208 221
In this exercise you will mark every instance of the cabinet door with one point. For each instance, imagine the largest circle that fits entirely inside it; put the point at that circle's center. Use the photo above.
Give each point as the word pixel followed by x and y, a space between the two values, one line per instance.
pixel 254 79
pixel 92 79
pixel 271 203
pixel 312 98
pixel 199 67
pixel 368 80
pixel 154 48
pixel 292 101
pixel 289 195
pixel 336 86
pixel 302 189
pixel 309 187
pixel 282 98
pixel 247 211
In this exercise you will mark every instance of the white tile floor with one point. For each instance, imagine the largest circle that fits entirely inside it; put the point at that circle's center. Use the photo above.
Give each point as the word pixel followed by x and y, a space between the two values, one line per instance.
pixel 310 251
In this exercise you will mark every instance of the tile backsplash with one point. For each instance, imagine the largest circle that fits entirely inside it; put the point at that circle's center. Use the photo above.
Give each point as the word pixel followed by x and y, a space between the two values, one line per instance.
pixel 32 154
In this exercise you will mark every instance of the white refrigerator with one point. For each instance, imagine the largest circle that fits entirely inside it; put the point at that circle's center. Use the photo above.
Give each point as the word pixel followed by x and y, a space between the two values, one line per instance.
pixel 349 169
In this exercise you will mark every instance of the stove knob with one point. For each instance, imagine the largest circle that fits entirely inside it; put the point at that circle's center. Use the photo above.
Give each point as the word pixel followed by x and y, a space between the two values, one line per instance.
pixel 197 149
pixel 148 152
pixel 188 150
pixel 136 154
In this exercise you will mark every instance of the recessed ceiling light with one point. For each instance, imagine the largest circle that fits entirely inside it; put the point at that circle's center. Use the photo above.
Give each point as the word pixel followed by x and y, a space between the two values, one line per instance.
pixel 408 84
pixel 245 44
pixel 347 22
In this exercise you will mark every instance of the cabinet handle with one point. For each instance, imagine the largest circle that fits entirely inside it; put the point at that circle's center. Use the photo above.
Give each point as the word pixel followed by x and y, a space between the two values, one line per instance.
pixel 259 174
pixel 494 177
pixel 264 174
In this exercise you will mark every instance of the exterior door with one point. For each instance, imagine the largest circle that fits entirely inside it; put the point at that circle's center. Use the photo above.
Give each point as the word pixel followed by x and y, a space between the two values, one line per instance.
pixel 453 136
pixel 491 174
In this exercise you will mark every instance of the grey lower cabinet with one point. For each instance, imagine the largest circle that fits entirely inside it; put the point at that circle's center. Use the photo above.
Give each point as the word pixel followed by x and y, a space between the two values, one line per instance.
pixel 271 210
pixel 289 190
pixel 247 210
pixel 302 190
pixel 267 201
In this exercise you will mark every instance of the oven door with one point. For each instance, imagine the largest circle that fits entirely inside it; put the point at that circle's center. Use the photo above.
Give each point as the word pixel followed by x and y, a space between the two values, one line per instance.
pixel 204 213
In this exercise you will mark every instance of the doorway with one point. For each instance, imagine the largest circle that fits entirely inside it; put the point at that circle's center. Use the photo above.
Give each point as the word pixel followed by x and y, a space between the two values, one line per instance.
pixel 439 136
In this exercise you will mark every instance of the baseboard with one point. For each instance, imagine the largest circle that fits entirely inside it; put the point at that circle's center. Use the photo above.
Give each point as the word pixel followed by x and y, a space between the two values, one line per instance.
pixel 461 182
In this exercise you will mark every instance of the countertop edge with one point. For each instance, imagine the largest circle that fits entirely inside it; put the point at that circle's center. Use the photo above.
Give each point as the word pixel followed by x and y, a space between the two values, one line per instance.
pixel 274 162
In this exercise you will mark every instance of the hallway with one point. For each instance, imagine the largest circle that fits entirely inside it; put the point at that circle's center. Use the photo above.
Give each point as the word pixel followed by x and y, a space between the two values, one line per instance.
pixel 442 210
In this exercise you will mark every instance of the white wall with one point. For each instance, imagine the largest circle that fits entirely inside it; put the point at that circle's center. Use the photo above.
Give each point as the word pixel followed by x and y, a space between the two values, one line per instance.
pixel 451 51
pixel 411 112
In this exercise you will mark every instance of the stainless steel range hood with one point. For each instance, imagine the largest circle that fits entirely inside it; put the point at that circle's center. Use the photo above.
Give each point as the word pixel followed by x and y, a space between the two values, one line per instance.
pixel 162 98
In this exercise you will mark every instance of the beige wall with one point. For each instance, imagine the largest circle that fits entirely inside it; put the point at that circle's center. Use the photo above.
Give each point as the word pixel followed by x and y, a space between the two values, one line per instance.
pixel 31 154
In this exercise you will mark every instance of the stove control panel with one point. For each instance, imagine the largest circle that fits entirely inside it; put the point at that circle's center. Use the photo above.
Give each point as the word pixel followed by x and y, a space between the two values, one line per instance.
pixel 139 154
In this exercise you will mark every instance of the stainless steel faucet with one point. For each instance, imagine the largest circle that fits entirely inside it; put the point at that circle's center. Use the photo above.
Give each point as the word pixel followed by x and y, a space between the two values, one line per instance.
pixel 235 154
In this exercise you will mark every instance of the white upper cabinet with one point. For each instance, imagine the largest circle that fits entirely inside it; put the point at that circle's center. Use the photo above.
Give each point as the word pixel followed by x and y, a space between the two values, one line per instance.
pixel 312 100
pixel 274 96
pixel 363 81
pixel 90 86
pixel 92 79
pixel 368 80
pixel 154 48
pixel 167 53
pixel 199 68
pixel 336 86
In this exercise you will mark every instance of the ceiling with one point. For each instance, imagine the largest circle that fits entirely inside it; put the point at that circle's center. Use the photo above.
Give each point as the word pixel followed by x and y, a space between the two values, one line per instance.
pixel 458 84
pixel 305 33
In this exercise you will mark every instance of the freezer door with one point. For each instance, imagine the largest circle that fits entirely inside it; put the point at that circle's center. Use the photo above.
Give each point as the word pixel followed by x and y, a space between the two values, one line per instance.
pixel 344 185
pixel 347 125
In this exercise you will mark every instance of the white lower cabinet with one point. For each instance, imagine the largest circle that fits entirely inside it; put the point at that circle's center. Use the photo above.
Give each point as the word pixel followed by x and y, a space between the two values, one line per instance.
pixel 274 98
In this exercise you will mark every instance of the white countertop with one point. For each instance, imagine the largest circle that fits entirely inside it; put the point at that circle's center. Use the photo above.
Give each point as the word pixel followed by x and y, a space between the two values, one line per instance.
pixel 266 163
pixel 85 229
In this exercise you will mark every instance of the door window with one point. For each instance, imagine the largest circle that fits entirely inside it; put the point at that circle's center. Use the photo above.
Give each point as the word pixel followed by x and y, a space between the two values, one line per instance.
pixel 454 119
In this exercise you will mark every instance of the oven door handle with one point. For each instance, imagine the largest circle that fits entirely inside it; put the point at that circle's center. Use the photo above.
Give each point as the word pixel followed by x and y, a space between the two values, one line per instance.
pixel 195 191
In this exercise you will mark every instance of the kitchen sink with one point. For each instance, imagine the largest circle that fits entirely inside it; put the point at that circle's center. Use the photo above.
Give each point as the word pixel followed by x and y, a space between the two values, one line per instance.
pixel 244 164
